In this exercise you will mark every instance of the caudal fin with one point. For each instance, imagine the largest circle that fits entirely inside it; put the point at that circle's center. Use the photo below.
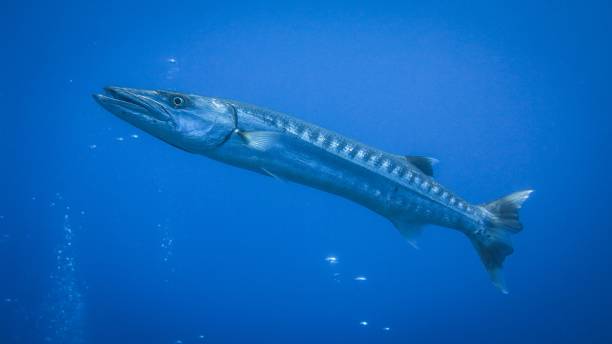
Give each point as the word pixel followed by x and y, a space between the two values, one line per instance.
pixel 493 242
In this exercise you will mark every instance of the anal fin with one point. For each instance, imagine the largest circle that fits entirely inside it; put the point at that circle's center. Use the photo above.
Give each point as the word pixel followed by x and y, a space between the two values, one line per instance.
pixel 410 231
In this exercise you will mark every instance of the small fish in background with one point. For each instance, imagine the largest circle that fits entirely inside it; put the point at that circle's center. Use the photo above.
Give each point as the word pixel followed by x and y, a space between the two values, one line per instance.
pixel 360 278
pixel 363 323
pixel 398 187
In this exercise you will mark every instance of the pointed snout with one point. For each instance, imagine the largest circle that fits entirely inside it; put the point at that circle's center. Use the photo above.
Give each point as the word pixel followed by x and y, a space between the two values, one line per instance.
pixel 123 102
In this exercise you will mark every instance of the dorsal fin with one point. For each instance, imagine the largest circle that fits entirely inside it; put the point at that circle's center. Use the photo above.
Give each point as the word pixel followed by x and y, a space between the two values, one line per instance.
pixel 423 163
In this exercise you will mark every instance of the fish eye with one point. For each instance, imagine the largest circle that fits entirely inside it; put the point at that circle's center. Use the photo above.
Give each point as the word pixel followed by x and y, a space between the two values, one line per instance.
pixel 178 101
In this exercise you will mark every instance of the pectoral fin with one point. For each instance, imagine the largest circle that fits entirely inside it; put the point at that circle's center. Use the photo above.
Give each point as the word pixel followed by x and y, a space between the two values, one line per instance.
pixel 259 140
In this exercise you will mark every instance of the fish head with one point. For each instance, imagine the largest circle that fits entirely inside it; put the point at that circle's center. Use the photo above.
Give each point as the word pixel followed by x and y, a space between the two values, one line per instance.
pixel 187 121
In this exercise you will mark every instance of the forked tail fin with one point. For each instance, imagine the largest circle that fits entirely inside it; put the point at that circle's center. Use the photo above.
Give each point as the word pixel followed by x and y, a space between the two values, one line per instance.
pixel 493 242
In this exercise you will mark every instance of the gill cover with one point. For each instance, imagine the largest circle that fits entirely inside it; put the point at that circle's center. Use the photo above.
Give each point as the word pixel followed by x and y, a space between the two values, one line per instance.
pixel 201 123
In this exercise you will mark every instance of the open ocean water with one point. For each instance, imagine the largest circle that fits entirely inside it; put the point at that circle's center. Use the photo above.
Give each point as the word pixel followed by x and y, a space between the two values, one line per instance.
pixel 108 235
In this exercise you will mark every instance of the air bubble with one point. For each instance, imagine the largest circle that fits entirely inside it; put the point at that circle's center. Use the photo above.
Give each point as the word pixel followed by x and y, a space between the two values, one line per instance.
pixel 331 259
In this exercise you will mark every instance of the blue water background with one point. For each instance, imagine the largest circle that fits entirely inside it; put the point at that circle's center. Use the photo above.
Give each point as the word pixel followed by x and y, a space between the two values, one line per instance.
pixel 108 235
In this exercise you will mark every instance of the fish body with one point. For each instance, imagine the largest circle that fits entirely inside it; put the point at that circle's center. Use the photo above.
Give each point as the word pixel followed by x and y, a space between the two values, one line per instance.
pixel 400 188
pixel 290 149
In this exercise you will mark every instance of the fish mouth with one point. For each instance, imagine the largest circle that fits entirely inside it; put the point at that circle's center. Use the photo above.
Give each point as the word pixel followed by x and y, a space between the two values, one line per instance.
pixel 131 102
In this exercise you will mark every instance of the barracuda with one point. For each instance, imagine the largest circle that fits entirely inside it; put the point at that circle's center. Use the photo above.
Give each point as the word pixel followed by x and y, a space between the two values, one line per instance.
pixel 400 188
